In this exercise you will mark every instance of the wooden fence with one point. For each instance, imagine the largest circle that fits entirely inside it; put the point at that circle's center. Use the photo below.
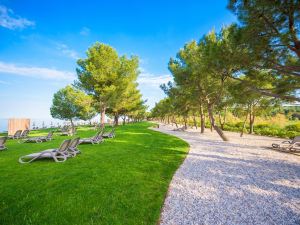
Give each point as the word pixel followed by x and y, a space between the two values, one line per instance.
pixel 17 124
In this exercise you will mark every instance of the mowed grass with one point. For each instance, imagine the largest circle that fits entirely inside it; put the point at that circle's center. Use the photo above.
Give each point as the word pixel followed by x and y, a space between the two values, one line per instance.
pixel 121 181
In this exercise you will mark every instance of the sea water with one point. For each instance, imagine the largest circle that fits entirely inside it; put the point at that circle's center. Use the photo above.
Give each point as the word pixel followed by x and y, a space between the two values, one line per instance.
pixel 40 123
pixel 46 122
pixel 3 125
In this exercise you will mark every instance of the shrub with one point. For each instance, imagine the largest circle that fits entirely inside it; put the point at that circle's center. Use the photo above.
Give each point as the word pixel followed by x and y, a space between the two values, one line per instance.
pixel 292 134
pixel 293 127
pixel 239 124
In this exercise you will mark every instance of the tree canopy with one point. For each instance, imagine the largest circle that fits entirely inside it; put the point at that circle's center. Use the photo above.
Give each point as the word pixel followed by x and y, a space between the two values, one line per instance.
pixel 111 80
pixel 71 104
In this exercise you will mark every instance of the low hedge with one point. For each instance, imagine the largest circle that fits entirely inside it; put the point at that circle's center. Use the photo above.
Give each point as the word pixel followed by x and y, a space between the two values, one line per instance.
pixel 289 131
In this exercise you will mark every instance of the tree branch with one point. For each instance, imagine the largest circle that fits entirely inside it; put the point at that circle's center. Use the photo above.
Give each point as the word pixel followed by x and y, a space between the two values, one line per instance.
pixel 266 93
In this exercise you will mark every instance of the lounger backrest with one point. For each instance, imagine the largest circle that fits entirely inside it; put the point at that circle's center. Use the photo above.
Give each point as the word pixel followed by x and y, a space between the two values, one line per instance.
pixel 2 140
pixel 98 134
pixel 64 145
pixel 74 143
pixel 64 128
pixel 25 133
pixel 296 139
pixel 18 133
pixel 50 134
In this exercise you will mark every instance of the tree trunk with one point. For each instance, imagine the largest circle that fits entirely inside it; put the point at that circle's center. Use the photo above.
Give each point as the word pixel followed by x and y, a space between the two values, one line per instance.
pixel 220 120
pixel 251 120
pixel 195 122
pixel 124 120
pixel 251 124
pixel 173 119
pixel 102 116
pixel 175 123
pixel 244 124
pixel 224 118
pixel 116 120
pixel 184 120
pixel 73 127
pixel 212 119
pixel 202 119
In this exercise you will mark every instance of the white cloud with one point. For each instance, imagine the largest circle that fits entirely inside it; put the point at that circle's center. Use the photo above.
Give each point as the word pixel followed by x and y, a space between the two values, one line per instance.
pixel 85 31
pixel 10 20
pixel 149 84
pixel 154 80
pixel 36 72
pixel 67 51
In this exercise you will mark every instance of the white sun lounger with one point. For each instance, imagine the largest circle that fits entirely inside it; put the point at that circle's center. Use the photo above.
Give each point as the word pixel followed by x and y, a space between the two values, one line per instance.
pixel 17 135
pixel 291 145
pixel 40 138
pixel 110 134
pixel 72 149
pixel 59 155
pixel 2 142
pixel 93 140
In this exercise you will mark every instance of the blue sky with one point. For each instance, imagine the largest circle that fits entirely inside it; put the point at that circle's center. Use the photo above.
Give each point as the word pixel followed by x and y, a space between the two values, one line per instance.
pixel 42 40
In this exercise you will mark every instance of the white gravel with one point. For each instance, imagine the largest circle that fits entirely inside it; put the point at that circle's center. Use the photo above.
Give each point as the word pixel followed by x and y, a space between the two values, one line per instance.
pixel 235 182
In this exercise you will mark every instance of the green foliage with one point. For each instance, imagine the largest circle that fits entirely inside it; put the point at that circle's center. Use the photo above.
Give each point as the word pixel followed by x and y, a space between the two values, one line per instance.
pixel 293 127
pixel 111 80
pixel 275 48
pixel 249 67
pixel 98 73
pixel 121 181
pixel 70 103
pixel 289 131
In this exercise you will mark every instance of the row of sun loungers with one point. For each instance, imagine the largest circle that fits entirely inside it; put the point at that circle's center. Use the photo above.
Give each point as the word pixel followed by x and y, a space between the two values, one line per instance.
pixel 40 138
pixel 291 145
pixel 67 131
pixel 19 134
pixel 98 138
pixel 67 149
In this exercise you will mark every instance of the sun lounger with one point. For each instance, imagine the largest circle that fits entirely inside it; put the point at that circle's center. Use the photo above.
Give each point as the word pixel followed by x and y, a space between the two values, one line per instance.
pixel 59 155
pixel 93 140
pixel 24 134
pixel 110 134
pixel 16 135
pixel 291 145
pixel 180 129
pixel 68 131
pixel 73 150
pixel 2 142
pixel 48 137
pixel 40 138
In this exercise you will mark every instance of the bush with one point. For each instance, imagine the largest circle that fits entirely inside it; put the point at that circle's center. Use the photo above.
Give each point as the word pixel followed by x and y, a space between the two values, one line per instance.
pixel 267 129
pixel 293 127
pixel 262 126
pixel 292 134
pixel 239 125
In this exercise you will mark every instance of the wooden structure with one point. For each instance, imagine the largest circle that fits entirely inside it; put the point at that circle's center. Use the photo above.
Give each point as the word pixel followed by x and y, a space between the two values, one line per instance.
pixel 17 124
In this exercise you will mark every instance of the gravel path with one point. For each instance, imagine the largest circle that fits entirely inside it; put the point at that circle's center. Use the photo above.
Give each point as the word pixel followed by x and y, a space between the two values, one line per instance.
pixel 235 182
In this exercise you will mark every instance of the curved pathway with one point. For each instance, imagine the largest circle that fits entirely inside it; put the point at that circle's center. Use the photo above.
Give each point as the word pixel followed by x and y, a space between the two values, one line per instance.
pixel 235 182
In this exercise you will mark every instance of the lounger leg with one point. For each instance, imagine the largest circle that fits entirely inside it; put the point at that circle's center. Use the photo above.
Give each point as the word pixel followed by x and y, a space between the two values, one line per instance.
pixel 59 157
pixel 34 158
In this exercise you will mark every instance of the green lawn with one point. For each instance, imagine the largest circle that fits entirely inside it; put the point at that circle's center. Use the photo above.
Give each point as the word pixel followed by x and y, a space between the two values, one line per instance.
pixel 121 181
